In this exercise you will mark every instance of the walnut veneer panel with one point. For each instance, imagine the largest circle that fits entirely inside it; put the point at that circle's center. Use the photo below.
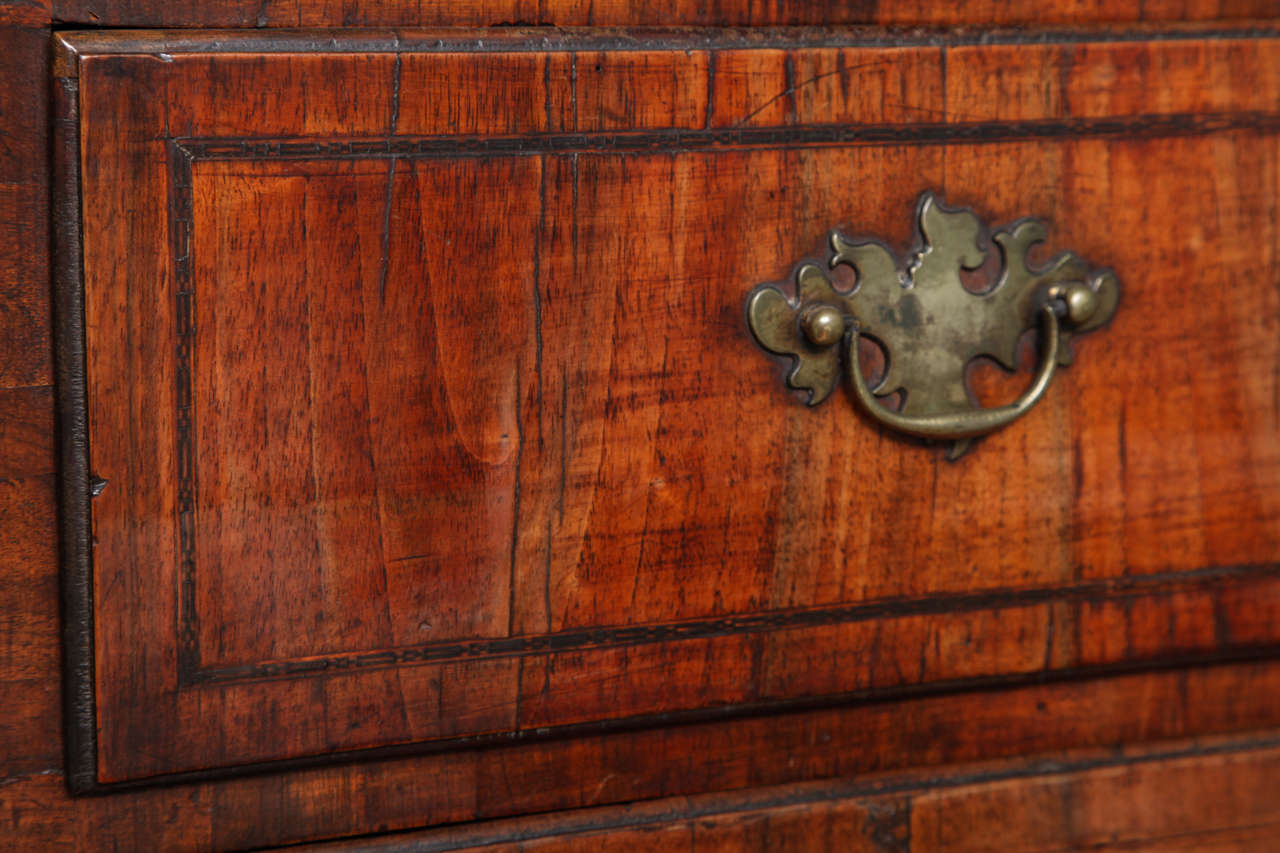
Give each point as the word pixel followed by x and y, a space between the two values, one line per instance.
pixel 1134 800
pixel 428 414
pixel 719 13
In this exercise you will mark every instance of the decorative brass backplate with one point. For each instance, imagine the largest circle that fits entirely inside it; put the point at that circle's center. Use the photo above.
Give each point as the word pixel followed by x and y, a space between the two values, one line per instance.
pixel 929 324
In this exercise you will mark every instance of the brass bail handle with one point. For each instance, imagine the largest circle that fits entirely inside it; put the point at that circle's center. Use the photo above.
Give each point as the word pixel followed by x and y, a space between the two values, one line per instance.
pixel 930 325
pixel 967 424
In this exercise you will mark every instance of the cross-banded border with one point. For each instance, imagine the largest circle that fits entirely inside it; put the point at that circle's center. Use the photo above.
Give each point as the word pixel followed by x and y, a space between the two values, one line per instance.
pixel 186 151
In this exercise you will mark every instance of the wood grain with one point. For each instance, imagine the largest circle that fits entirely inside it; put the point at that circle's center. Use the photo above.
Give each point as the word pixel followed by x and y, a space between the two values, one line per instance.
pixel 35 14
pixel 464 435
pixel 27 356
pixel 356 799
pixel 1195 804
pixel 1199 800
pixel 1135 802
pixel 26 432
pixel 330 13
pixel 30 674
pixel 29 652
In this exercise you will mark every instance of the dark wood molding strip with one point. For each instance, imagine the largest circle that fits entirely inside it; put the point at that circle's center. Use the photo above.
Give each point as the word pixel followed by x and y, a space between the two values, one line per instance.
pixel 541 39
pixel 73 459
pixel 677 140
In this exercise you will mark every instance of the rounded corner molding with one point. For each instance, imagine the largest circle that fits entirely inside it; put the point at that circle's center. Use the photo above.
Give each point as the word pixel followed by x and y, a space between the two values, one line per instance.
pixel 929 324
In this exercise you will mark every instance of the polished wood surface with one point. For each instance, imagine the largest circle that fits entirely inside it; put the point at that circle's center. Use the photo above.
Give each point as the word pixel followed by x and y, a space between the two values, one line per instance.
pixel 346 800
pixel 564 13
pixel 1194 794
pixel 448 424
pixel 1133 801
pixel 27 359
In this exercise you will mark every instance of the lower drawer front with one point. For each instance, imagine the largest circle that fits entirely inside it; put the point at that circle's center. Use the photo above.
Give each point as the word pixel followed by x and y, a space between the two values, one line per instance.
pixel 424 412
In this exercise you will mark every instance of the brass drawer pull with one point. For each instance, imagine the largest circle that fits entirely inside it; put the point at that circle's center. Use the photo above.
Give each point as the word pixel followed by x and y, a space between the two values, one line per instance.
pixel 929 324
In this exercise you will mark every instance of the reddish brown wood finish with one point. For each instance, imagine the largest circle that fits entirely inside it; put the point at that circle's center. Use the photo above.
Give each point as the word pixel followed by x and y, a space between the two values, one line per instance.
pixel 29 675
pixel 24 191
pixel 1094 802
pixel 344 13
pixel 332 802
pixel 26 432
pixel 441 400
pixel 1192 804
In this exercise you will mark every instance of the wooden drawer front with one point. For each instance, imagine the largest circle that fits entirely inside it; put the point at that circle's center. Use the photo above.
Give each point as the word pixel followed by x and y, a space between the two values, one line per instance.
pixel 428 414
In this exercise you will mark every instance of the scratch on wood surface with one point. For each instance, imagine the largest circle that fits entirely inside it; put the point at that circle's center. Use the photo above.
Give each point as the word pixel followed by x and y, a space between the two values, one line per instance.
pixel 391 181
pixel 793 87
